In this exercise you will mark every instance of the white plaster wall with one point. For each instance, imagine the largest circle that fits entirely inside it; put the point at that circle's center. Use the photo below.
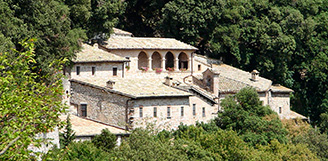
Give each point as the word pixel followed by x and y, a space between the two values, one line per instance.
pixel 104 71
pixel 175 104
pixel 133 55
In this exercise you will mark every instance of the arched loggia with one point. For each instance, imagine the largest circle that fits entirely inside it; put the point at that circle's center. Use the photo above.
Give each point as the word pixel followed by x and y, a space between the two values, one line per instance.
pixel 169 60
pixel 142 60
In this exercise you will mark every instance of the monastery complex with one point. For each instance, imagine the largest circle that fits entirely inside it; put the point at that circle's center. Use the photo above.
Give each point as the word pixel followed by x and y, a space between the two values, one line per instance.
pixel 128 82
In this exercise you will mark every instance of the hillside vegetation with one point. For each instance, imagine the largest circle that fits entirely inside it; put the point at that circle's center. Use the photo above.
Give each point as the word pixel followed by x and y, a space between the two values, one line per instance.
pixel 286 40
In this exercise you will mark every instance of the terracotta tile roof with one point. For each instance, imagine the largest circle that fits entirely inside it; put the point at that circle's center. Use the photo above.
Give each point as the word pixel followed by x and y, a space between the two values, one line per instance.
pixel 280 89
pixel 120 32
pixel 232 79
pixel 146 43
pixel 139 87
pixel 94 54
pixel 87 127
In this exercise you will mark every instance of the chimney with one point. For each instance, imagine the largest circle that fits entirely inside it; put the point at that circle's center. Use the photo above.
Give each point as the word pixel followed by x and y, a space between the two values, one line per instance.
pixel 255 75
pixel 216 84
pixel 95 45
pixel 168 81
pixel 110 84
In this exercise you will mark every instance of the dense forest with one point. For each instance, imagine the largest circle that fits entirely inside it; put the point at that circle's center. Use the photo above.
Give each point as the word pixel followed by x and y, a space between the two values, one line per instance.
pixel 286 40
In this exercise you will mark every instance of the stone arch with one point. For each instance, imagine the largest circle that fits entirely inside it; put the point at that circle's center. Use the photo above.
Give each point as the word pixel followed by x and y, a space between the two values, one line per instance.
pixel 169 60
pixel 183 60
pixel 142 60
pixel 156 61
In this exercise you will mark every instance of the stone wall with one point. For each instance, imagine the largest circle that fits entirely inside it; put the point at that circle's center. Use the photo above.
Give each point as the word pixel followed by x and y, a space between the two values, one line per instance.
pixel 162 121
pixel 101 105
pixel 280 100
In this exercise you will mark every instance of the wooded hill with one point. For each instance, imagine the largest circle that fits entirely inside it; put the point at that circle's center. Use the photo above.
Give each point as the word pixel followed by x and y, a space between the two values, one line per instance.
pixel 286 40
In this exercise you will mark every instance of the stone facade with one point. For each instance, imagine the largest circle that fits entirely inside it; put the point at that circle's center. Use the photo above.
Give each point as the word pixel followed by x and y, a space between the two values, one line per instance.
pixel 280 103
pixel 101 105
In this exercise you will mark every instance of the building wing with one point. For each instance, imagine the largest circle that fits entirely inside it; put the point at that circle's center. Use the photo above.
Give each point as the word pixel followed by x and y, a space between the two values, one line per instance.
pixel 93 53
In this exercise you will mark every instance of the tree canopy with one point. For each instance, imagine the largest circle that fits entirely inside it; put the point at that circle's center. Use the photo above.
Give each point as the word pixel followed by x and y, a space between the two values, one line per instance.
pixel 28 105
pixel 59 26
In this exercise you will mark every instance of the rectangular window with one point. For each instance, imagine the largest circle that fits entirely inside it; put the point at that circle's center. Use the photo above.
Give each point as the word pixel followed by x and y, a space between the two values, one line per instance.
pixel 114 71
pixel 280 110
pixel 194 109
pixel 84 110
pixel 93 70
pixel 140 112
pixel 168 112
pixel 155 111
pixel 77 70
pixel 203 111
pixel 182 111
pixel 199 67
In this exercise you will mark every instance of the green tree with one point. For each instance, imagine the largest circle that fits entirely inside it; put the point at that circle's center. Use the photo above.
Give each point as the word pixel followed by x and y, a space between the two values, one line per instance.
pixel 68 135
pixel 79 151
pixel 143 145
pixel 143 17
pixel 105 141
pixel 59 26
pixel 28 106
pixel 315 141
pixel 288 151
pixel 255 123
pixel 95 17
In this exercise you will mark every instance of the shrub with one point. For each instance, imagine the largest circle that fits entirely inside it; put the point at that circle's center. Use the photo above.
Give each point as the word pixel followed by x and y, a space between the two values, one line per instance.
pixel 105 141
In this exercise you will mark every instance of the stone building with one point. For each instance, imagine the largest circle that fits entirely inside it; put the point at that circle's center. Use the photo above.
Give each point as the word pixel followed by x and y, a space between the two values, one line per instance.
pixel 129 82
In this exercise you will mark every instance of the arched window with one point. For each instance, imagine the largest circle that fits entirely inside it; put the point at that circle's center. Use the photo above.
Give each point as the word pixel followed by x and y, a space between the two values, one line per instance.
pixel 156 60
pixel 183 61
pixel 169 60
pixel 142 60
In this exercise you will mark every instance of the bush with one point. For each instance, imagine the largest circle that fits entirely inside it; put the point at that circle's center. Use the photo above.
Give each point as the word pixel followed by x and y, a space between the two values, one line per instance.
pixel 78 151
pixel 255 123
pixel 105 141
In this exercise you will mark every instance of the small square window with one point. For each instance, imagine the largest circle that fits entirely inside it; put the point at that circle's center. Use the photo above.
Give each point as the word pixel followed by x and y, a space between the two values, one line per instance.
pixel 84 110
pixel 203 111
pixel 114 71
pixel 93 70
pixel 77 70
pixel 140 112
pixel 194 109
pixel 155 111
